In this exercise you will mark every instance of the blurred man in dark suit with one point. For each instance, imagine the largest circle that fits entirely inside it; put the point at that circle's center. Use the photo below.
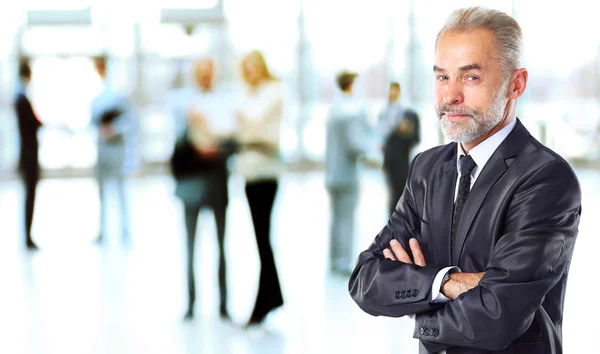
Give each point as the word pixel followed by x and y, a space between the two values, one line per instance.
pixel 29 166
pixel 205 124
pixel 400 130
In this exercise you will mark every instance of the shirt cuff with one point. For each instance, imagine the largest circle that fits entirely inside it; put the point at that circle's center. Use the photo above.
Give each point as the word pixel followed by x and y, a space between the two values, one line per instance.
pixel 436 287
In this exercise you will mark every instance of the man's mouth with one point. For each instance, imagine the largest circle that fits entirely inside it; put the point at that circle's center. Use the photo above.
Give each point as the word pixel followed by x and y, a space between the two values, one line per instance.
pixel 456 117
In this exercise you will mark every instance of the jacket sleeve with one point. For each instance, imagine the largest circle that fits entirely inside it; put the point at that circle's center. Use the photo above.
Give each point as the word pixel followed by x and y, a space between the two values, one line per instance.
pixel 358 134
pixel 389 288
pixel 125 123
pixel 413 117
pixel 527 262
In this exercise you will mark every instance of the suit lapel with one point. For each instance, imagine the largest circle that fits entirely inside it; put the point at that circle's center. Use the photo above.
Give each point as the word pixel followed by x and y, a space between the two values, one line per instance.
pixel 443 203
pixel 491 173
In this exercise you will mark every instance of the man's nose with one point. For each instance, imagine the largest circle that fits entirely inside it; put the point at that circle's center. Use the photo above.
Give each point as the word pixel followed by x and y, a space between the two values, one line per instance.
pixel 454 93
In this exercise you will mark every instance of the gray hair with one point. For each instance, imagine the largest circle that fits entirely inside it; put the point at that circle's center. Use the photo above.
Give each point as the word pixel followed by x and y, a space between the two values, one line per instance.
pixel 508 34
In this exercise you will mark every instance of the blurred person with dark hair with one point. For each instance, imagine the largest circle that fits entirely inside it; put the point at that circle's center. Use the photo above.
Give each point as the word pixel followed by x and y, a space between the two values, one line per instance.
pixel 479 246
pixel 400 130
pixel 113 114
pixel 205 124
pixel 29 166
pixel 259 162
pixel 347 139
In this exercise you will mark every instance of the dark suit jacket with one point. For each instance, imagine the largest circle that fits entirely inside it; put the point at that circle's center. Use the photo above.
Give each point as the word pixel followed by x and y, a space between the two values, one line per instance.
pixel 396 156
pixel 519 225
pixel 28 127
pixel 396 148
pixel 201 180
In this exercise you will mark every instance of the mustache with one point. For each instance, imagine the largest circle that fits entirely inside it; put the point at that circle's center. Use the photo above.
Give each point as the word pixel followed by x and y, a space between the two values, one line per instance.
pixel 446 108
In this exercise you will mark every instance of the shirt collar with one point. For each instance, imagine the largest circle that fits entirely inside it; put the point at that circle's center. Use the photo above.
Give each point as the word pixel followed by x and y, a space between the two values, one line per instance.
pixel 482 152
pixel 22 87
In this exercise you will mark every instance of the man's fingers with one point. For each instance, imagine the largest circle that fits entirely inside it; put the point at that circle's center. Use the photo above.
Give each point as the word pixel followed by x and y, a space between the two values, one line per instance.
pixel 388 254
pixel 400 253
pixel 417 253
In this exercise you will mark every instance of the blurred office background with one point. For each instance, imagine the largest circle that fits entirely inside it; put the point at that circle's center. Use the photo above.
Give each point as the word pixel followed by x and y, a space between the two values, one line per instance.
pixel 72 296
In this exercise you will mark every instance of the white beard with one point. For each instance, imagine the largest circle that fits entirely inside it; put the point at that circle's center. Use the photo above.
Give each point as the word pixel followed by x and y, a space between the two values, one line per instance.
pixel 478 123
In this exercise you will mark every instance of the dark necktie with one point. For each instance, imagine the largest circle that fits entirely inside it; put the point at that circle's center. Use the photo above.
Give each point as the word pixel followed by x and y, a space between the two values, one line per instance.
pixel 464 187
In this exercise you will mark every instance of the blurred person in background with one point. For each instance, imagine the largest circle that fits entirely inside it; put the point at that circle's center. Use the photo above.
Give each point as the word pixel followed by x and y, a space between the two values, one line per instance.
pixel 259 163
pixel 205 123
pixel 347 137
pixel 400 130
pixel 479 247
pixel 29 166
pixel 113 115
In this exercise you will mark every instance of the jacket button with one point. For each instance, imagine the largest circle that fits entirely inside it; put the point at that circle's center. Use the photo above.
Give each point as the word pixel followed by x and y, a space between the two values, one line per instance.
pixel 403 294
pixel 435 332
pixel 397 295
pixel 409 293
pixel 415 292
pixel 422 331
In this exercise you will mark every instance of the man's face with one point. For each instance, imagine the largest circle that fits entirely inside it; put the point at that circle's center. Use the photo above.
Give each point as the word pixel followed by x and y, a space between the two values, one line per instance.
pixel 204 71
pixel 100 69
pixel 470 90
pixel 394 94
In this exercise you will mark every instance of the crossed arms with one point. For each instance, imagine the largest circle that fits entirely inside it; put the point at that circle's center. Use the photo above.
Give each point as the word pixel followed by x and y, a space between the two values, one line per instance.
pixel 529 258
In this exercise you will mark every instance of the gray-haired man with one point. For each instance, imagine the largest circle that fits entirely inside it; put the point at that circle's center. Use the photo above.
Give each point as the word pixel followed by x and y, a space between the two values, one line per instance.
pixel 480 243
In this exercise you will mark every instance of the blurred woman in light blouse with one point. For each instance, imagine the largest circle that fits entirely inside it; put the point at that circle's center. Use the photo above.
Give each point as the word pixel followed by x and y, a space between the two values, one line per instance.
pixel 259 121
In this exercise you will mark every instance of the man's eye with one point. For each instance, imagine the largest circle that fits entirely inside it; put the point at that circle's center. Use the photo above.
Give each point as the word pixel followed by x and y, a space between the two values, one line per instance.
pixel 442 77
pixel 472 78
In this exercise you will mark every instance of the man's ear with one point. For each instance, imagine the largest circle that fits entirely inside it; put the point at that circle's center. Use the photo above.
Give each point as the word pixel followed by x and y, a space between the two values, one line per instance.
pixel 518 83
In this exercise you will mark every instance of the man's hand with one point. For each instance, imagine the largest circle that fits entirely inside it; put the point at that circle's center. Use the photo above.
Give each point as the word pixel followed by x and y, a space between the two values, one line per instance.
pixel 405 128
pixel 196 118
pixel 460 283
pixel 209 151
pixel 401 255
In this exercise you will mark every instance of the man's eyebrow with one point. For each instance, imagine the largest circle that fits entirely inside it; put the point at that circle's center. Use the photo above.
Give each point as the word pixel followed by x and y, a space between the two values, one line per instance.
pixel 462 68
pixel 470 67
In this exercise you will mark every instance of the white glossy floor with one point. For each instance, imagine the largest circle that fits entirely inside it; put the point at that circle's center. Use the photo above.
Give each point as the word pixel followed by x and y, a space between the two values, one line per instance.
pixel 74 297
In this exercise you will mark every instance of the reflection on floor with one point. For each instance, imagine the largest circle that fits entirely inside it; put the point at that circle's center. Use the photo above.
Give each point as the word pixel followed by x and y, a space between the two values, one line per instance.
pixel 75 297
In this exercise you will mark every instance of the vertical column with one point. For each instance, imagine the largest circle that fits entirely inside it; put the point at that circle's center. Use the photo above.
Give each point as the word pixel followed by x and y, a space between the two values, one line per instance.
pixel 138 98
pixel 303 64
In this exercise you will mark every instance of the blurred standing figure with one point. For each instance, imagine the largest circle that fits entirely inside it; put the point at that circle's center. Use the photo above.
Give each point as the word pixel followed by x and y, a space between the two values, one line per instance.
pixel 205 124
pixel 112 113
pixel 347 139
pixel 259 120
pixel 29 166
pixel 400 130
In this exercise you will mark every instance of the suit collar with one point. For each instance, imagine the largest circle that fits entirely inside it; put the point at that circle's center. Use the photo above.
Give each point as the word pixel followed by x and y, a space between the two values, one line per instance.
pixel 514 142
pixel 482 153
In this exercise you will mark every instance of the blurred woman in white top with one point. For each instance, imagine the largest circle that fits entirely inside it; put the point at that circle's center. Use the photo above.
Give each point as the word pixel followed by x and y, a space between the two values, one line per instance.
pixel 259 163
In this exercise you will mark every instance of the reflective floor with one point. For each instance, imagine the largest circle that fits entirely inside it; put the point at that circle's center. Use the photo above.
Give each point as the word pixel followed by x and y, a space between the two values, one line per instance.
pixel 76 297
